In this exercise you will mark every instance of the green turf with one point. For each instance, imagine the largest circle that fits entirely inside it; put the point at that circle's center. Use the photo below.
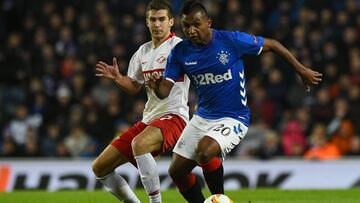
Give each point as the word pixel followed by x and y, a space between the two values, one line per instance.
pixel 172 196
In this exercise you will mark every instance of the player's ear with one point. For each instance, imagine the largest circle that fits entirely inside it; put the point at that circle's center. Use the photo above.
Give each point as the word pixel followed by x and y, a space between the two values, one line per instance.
pixel 209 22
pixel 171 22
pixel 147 21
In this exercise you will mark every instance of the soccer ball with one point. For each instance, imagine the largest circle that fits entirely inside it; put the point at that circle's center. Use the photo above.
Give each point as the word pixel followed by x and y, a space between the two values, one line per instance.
pixel 218 198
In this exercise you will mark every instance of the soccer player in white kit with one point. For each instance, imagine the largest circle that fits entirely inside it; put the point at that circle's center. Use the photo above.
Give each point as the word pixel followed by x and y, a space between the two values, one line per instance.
pixel 163 120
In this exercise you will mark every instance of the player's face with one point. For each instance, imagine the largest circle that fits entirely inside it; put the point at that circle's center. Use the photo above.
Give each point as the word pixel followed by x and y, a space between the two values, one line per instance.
pixel 159 23
pixel 196 27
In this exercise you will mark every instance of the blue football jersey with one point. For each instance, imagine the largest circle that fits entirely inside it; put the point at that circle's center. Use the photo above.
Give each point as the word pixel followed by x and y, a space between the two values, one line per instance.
pixel 217 72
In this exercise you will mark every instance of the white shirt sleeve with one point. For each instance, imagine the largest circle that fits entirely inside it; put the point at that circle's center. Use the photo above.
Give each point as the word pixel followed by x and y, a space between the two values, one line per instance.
pixel 135 70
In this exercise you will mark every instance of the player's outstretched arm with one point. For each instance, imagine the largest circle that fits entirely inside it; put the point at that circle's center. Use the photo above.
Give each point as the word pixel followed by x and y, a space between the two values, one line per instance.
pixel 160 86
pixel 112 72
pixel 308 76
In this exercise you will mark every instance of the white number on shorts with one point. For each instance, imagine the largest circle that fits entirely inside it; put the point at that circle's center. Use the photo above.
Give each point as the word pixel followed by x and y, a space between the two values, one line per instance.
pixel 225 131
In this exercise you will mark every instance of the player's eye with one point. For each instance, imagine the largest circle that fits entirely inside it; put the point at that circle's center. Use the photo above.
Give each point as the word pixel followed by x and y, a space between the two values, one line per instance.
pixel 196 24
pixel 185 25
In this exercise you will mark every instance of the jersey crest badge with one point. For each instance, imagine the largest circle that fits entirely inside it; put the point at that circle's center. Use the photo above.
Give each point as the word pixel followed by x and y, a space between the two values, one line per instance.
pixel 223 57
pixel 161 59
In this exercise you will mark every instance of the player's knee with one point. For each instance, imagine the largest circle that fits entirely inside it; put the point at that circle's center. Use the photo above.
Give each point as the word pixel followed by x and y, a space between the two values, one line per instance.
pixel 203 156
pixel 99 169
pixel 139 145
pixel 96 168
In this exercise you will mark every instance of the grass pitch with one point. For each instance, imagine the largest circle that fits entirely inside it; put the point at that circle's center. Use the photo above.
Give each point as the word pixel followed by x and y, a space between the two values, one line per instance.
pixel 172 196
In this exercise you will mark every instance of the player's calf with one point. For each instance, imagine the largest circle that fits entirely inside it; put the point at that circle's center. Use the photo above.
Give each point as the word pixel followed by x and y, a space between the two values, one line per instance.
pixel 104 169
pixel 213 172
pixel 189 188
pixel 149 176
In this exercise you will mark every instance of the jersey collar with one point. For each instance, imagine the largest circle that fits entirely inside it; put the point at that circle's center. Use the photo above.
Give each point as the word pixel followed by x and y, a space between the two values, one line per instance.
pixel 166 38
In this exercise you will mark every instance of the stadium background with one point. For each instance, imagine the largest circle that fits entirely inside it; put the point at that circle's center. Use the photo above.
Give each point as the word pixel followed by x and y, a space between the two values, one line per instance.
pixel 52 106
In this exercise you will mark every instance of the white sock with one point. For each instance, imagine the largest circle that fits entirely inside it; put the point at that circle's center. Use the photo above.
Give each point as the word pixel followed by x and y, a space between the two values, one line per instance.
pixel 149 175
pixel 119 187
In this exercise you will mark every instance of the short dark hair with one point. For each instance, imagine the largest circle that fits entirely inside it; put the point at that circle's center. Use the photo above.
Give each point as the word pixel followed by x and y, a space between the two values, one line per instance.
pixel 160 5
pixel 191 6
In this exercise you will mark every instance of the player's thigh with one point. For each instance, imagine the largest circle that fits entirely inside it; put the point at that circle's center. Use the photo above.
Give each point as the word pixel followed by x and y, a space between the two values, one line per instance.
pixel 160 136
pixel 228 133
pixel 108 161
pixel 149 140
pixel 189 138
pixel 206 149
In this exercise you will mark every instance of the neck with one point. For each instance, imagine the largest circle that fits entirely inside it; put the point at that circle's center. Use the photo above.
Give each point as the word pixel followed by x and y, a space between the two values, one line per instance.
pixel 207 39
pixel 158 41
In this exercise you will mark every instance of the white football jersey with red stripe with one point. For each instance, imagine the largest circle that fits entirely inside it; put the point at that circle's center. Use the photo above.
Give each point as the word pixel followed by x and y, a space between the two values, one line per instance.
pixel 148 61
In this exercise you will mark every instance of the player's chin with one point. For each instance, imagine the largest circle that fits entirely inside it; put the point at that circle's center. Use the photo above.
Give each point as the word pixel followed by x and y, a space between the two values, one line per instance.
pixel 195 40
pixel 158 33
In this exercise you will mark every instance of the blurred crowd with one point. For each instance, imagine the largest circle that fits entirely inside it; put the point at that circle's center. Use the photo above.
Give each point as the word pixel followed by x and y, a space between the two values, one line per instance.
pixel 52 105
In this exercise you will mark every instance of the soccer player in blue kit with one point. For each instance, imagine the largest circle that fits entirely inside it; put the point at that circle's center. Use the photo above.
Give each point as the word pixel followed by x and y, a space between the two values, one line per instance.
pixel 212 59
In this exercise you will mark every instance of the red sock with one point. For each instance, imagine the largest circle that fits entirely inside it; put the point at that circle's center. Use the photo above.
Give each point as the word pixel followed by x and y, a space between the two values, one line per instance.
pixel 213 172
pixel 212 165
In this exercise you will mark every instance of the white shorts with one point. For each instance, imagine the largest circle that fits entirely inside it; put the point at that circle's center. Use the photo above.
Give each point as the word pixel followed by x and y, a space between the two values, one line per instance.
pixel 227 132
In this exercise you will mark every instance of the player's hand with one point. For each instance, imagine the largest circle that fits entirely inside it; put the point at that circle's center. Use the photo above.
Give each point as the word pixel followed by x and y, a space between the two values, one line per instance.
pixel 310 77
pixel 154 81
pixel 107 71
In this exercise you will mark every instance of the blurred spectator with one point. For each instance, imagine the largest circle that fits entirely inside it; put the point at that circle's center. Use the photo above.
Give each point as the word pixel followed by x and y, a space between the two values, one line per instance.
pixel 100 91
pixel 137 110
pixel 341 128
pixel 320 149
pixel 50 141
pixel 303 115
pixel 21 124
pixel 343 137
pixel 31 147
pixel 9 148
pixel 77 142
pixel 322 110
pixel 355 147
pixel 253 140
pixel 270 147
pixel 261 106
pixel 293 139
